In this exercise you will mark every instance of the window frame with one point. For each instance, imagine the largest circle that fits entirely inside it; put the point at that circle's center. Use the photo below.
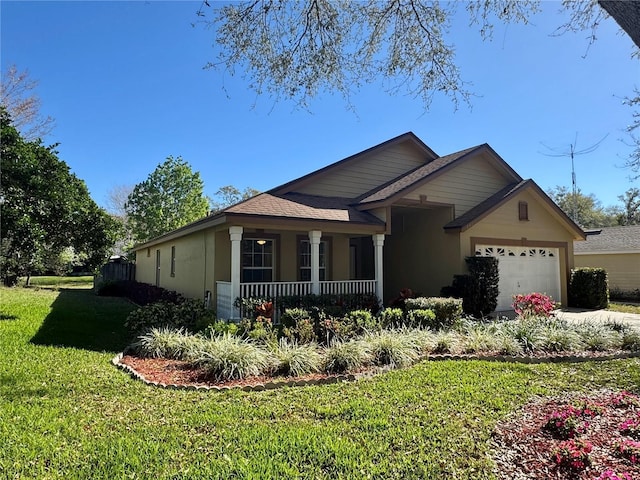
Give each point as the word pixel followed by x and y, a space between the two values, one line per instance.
pixel 523 211
pixel 254 237
pixel 173 260
pixel 326 269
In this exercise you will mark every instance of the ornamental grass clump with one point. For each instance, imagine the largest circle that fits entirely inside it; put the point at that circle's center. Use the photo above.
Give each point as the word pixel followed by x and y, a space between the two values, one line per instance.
pixel 393 348
pixel 341 357
pixel 598 337
pixel 528 331
pixel 572 455
pixel 295 359
pixel 229 357
pixel 557 337
pixel 166 342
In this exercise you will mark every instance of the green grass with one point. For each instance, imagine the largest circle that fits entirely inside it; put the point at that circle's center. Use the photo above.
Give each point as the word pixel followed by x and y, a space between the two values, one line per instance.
pixel 624 307
pixel 65 412
pixel 59 282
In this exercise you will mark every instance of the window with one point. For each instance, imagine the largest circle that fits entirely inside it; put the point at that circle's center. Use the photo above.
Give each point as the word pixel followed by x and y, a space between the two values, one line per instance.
pixel 523 211
pixel 173 261
pixel 304 260
pixel 257 260
pixel 148 252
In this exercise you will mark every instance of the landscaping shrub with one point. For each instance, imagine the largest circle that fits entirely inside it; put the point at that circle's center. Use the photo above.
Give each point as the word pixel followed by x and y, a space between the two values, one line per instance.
pixel 478 289
pixel 333 305
pixel 616 293
pixel 220 327
pixel 354 324
pixel 139 293
pixel 588 288
pixel 259 329
pixel 187 314
pixel 533 305
pixel 422 318
pixel 391 317
pixel 341 357
pixel 447 310
pixel 294 359
pixel 231 357
pixel 299 326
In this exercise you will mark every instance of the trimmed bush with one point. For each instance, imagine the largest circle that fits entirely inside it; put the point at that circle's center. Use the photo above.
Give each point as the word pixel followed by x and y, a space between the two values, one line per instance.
pixel 447 310
pixel 139 293
pixel 354 324
pixel 391 317
pixel 187 314
pixel 589 288
pixel 422 318
pixel 478 289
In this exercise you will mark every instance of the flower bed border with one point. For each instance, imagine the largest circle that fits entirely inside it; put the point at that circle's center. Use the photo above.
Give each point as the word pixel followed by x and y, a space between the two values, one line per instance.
pixel 590 357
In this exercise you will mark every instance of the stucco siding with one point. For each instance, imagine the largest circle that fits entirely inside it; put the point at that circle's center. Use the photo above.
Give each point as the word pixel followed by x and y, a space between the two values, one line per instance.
pixel 146 266
pixel 419 254
pixel 369 172
pixel 464 186
pixel 623 269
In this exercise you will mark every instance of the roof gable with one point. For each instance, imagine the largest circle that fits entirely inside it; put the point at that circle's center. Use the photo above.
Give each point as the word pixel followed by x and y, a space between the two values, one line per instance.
pixel 392 191
pixel 363 171
pixel 476 214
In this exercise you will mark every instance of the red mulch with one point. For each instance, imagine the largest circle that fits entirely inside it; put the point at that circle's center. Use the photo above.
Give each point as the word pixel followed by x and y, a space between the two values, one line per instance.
pixel 523 449
pixel 178 372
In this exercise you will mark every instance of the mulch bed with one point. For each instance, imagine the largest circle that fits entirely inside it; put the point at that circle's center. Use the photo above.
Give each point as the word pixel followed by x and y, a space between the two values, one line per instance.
pixel 523 449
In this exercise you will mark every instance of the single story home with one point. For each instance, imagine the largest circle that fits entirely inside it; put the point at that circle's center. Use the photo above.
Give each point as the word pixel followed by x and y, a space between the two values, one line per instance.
pixel 394 216
pixel 617 250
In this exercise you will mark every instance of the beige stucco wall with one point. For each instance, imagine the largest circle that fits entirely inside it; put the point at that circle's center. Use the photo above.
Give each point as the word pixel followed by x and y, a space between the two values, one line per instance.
pixel 194 262
pixel 419 254
pixel 542 229
pixel 623 269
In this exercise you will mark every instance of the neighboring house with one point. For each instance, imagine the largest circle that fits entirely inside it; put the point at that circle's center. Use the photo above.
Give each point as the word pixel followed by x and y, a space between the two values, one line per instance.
pixel 617 250
pixel 394 216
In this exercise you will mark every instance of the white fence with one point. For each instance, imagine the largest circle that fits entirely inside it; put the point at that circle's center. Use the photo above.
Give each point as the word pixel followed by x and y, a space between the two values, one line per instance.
pixel 274 290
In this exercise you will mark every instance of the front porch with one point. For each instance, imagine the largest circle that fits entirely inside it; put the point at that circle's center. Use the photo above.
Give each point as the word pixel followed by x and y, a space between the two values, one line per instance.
pixel 256 257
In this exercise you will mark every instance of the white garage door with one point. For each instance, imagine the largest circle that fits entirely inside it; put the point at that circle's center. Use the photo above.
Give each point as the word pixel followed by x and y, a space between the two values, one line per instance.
pixel 524 270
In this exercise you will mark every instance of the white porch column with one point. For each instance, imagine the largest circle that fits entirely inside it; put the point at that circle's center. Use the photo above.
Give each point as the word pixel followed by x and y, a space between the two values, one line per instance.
pixel 378 242
pixel 314 241
pixel 235 233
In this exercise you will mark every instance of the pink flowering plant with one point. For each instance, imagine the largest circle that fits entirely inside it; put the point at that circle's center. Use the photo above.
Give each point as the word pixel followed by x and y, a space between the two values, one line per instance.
pixel 573 454
pixel 609 474
pixel 630 450
pixel 625 400
pixel 534 305
pixel 631 427
pixel 570 421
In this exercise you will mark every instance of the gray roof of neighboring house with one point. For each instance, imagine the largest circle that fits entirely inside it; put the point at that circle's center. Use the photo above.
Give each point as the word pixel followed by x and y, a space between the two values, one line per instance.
pixel 302 206
pixel 610 240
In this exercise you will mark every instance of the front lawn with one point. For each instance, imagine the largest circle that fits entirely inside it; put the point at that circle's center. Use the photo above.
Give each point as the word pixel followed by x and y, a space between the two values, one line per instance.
pixel 624 307
pixel 65 412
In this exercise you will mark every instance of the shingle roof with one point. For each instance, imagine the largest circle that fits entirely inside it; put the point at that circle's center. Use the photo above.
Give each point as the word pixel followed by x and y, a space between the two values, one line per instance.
pixel 489 204
pixel 407 180
pixel 610 239
pixel 302 206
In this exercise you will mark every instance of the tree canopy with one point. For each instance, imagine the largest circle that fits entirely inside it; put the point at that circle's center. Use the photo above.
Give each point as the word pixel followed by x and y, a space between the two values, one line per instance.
pixel 18 97
pixel 230 195
pixel 46 210
pixel 586 210
pixel 170 197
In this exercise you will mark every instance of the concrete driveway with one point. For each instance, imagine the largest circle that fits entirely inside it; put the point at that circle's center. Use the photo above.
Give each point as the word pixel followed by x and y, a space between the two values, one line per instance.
pixel 578 314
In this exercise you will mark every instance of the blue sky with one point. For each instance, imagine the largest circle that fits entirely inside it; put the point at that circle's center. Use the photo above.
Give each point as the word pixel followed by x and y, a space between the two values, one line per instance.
pixel 126 85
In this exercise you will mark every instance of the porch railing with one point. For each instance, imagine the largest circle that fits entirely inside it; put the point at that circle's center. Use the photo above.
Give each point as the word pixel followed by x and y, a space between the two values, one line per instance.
pixel 340 287
pixel 224 303
pixel 275 290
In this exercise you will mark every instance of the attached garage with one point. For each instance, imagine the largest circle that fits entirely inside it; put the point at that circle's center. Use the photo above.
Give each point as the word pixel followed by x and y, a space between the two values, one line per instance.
pixel 524 270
